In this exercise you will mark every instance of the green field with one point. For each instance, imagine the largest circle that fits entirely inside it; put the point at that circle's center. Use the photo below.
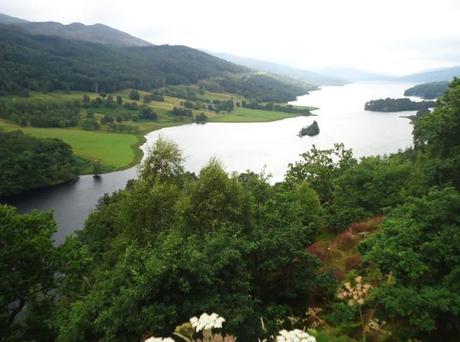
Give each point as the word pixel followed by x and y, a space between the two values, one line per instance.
pixel 114 150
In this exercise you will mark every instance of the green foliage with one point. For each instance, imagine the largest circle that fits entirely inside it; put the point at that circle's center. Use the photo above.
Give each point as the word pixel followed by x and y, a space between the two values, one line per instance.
pixel 397 105
pixel 201 118
pixel 221 106
pixel 26 269
pixel 437 135
pixel 41 114
pixel 173 245
pixel 28 163
pixel 134 95
pixel 276 107
pixel 320 168
pixel 372 186
pixel 178 111
pixel 419 245
pixel 259 87
pixel 89 124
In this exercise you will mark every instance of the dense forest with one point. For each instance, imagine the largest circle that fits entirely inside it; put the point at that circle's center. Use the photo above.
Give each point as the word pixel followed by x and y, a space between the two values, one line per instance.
pixel 428 91
pixel 47 63
pixel 349 249
pixel 397 105
pixel 27 163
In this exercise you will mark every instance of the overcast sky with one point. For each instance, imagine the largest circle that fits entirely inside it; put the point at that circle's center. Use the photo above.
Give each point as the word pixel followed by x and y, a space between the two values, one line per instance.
pixel 392 36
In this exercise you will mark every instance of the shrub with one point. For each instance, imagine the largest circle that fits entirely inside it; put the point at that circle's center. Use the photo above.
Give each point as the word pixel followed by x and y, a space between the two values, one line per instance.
pixel 346 240
pixel 369 225
pixel 352 262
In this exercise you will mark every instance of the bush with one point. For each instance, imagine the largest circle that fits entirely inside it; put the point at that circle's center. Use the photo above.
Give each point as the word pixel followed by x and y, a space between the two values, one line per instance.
pixel 352 262
pixel 346 240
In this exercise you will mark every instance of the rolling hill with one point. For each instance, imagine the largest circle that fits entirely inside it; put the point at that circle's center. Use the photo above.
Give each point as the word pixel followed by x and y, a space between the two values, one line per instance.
pixel 444 74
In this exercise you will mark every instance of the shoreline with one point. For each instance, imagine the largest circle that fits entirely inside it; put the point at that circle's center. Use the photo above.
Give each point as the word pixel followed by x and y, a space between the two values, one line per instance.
pixel 139 153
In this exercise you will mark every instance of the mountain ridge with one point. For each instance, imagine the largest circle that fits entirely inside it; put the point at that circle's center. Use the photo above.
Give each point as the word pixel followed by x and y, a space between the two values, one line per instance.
pixel 280 69
pixel 96 33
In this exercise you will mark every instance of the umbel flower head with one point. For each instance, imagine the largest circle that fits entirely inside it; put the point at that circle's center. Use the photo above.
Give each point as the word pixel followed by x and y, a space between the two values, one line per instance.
pixel 159 339
pixel 354 294
pixel 295 335
pixel 207 322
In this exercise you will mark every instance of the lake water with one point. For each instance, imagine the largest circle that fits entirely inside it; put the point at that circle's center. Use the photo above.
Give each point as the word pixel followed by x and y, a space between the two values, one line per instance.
pixel 248 146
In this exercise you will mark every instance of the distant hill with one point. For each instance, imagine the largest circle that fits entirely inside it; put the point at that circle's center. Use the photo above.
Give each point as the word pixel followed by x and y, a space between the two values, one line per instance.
pixel 353 75
pixel 97 33
pixel 6 19
pixel 428 91
pixel 444 74
pixel 283 70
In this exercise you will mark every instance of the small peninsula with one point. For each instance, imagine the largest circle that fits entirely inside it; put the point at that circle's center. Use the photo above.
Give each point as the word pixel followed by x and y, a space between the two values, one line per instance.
pixel 397 105
pixel 310 130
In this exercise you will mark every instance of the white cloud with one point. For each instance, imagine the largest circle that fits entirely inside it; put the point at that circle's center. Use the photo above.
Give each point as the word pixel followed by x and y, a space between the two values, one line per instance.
pixel 392 36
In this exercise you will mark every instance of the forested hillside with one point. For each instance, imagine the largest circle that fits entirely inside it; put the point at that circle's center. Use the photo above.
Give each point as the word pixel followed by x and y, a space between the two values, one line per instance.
pixel 428 91
pixel 348 249
pixel 48 63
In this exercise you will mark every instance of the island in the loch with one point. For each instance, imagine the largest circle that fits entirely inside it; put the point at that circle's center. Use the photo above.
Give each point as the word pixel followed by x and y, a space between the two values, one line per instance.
pixel 310 130
pixel 397 105
pixel 428 91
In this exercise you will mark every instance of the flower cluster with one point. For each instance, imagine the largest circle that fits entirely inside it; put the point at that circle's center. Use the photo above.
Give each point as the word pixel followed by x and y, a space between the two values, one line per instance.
pixel 375 325
pixel 354 295
pixel 207 322
pixel 313 317
pixel 159 339
pixel 295 335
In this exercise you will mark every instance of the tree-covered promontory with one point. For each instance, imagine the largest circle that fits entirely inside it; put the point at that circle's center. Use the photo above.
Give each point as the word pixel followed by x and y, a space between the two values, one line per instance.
pixel 397 105
pixel 27 163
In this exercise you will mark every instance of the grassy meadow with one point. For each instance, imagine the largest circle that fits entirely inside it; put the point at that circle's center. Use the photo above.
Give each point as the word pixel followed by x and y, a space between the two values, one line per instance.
pixel 116 151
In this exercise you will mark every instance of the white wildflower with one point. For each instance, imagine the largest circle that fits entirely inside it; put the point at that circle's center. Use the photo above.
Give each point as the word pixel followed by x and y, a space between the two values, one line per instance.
pixel 159 339
pixel 295 335
pixel 207 322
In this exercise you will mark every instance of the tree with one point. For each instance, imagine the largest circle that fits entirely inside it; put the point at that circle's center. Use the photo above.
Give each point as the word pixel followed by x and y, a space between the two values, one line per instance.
pixel 119 100
pixel 147 99
pixel 372 187
pixel 320 168
pixel 134 95
pixel 418 245
pixel 97 168
pixel 437 135
pixel 146 113
pixel 86 100
pixel 164 161
pixel 217 203
pixel 27 263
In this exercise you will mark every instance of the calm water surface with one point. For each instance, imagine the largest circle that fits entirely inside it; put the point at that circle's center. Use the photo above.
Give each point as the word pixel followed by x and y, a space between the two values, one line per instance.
pixel 248 146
